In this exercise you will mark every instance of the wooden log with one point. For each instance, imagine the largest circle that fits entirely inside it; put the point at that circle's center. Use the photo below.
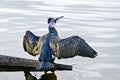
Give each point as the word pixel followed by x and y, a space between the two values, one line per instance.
pixel 8 63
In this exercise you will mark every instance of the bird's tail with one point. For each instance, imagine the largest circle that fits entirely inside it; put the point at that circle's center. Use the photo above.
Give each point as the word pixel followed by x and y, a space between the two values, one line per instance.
pixel 45 66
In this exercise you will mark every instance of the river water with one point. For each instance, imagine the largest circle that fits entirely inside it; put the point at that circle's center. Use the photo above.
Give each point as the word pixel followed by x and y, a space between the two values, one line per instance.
pixel 97 21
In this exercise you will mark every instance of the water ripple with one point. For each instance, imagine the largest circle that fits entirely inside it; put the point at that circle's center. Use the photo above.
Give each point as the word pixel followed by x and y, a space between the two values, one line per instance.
pixel 103 66
pixel 20 11
pixel 104 44
pixel 4 29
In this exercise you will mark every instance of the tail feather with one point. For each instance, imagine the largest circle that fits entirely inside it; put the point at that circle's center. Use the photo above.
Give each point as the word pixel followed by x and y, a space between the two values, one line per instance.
pixel 45 66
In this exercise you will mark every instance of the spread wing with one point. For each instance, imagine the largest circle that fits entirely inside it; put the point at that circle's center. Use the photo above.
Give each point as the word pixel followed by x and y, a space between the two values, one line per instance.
pixel 74 46
pixel 30 43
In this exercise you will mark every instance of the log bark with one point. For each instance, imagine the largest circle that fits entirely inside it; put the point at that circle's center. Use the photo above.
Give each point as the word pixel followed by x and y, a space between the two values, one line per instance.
pixel 8 63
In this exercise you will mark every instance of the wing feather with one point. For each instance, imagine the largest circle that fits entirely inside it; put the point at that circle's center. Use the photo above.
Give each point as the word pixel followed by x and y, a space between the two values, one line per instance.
pixel 53 43
pixel 30 43
pixel 74 46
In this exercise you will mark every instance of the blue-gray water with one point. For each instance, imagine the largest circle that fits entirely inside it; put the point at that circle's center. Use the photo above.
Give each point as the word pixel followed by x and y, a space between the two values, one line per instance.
pixel 97 21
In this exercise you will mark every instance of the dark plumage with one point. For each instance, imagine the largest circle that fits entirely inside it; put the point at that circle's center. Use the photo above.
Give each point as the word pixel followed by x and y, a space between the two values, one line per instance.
pixel 50 44
pixel 74 46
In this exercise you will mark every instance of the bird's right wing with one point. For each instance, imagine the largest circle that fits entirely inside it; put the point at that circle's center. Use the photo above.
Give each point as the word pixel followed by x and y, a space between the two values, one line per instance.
pixel 74 46
pixel 31 43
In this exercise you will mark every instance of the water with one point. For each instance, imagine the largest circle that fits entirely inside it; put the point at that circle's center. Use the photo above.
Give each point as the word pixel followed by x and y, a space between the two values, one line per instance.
pixel 97 21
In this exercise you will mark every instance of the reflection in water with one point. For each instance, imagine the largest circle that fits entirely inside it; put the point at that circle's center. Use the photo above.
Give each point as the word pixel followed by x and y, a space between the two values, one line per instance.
pixel 28 76
pixel 47 76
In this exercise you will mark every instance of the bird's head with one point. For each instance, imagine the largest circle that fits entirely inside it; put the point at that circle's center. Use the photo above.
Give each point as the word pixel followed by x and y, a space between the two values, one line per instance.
pixel 52 21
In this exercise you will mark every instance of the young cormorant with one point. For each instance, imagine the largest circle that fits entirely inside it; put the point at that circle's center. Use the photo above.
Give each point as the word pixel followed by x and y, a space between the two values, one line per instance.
pixel 50 44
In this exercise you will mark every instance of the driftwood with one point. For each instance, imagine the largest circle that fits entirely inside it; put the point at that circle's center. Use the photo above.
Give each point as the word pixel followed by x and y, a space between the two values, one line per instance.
pixel 8 63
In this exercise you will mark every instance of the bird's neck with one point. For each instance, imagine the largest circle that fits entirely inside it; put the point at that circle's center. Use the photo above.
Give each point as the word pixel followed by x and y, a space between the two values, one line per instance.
pixel 53 30
pixel 51 25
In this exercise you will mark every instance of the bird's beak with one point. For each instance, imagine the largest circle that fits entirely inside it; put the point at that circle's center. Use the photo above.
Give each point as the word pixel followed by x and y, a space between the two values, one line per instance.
pixel 59 18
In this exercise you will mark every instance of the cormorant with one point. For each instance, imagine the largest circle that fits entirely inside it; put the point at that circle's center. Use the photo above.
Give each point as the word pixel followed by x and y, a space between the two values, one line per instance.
pixel 50 44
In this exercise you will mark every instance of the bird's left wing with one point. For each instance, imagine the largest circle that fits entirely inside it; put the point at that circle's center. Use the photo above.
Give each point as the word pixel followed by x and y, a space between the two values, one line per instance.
pixel 74 46
pixel 31 43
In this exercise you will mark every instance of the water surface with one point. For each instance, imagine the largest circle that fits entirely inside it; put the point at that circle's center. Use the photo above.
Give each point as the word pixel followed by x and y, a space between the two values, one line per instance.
pixel 97 21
